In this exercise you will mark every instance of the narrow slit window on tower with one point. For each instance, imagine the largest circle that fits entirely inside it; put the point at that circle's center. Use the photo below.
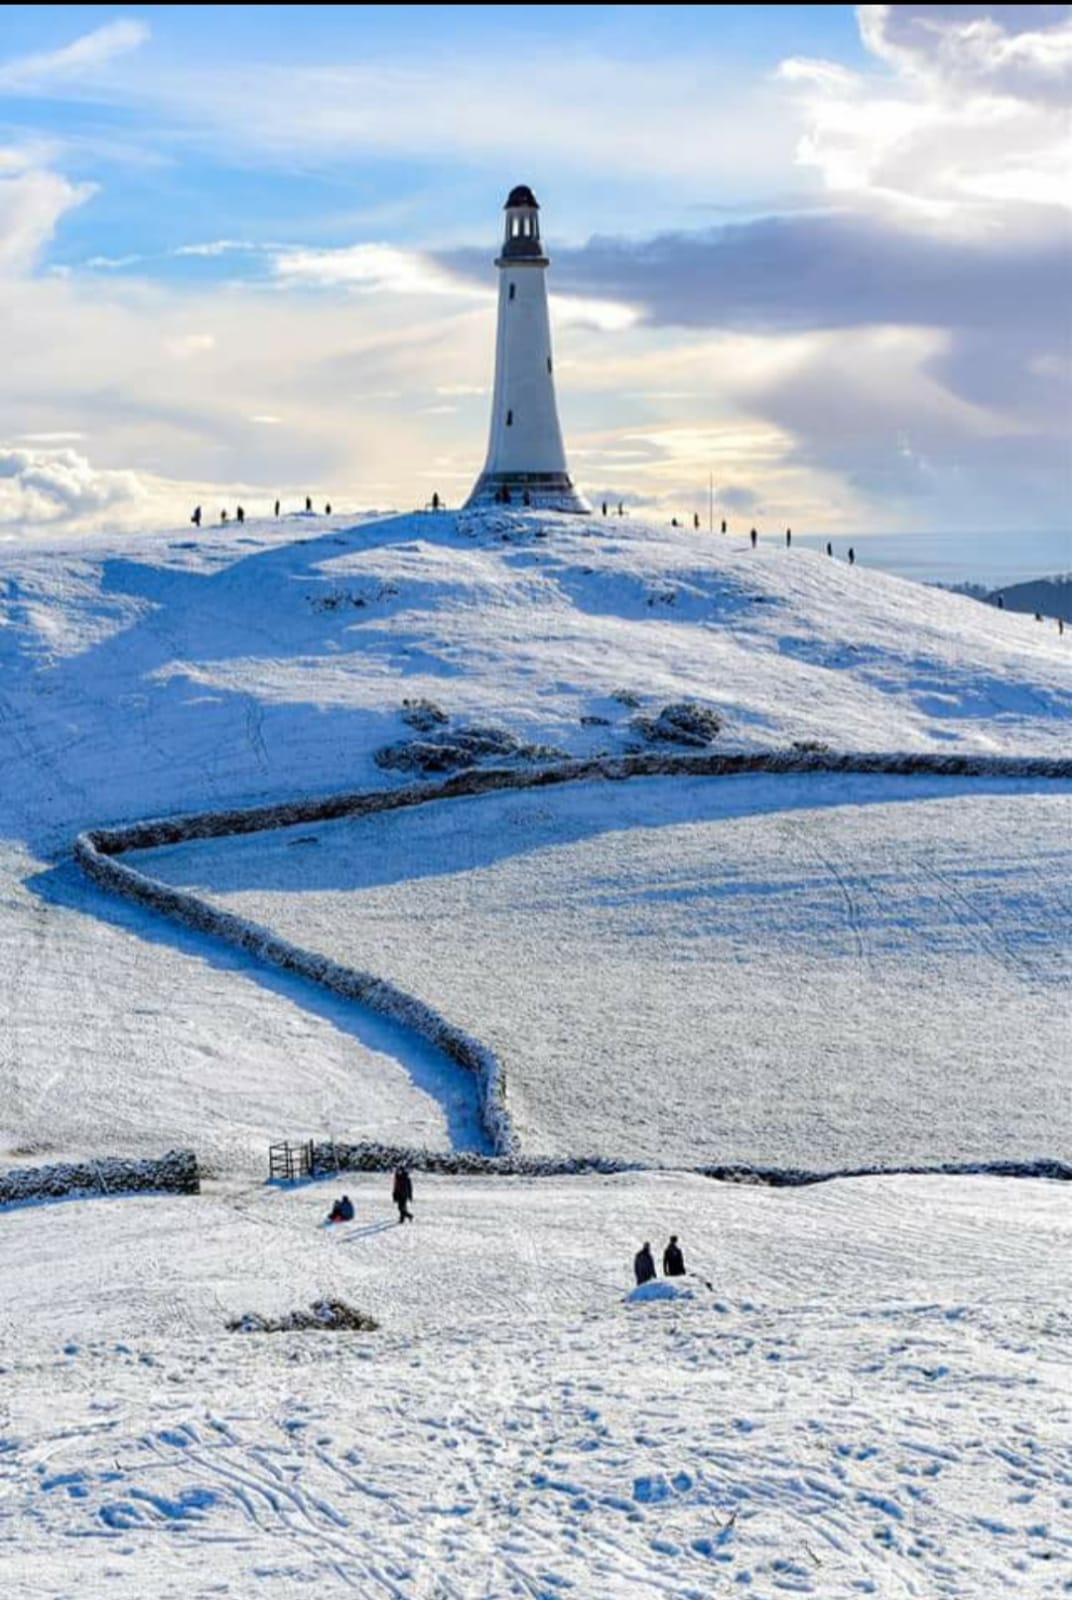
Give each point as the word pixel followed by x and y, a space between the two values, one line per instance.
pixel 509 419
pixel 513 287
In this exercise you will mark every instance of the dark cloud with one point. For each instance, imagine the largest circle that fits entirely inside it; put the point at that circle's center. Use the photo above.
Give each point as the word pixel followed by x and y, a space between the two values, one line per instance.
pixel 797 273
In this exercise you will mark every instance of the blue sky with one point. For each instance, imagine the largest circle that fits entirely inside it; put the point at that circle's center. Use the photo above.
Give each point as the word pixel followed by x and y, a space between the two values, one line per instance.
pixel 819 251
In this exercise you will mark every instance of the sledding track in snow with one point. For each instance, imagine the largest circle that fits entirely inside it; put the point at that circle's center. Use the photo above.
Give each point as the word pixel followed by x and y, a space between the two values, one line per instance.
pixel 98 850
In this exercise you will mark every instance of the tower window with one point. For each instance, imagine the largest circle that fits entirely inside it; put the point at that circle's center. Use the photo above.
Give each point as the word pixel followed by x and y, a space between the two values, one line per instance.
pixel 509 419
pixel 513 288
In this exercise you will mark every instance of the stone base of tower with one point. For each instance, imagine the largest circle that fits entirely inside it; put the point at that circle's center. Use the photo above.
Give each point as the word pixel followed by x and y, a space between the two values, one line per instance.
pixel 546 491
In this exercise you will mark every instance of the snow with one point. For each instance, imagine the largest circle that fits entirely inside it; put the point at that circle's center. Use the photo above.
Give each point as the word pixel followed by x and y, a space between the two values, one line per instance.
pixel 875 1398
pixel 818 971
pixel 156 675
pixel 821 970
pixel 125 1036
pixel 657 1289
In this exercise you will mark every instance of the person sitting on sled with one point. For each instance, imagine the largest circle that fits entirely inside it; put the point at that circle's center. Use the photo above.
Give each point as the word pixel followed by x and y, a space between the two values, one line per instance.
pixel 342 1210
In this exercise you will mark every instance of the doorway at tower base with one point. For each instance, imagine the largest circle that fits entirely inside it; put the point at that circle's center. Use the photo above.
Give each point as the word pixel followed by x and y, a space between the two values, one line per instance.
pixel 547 491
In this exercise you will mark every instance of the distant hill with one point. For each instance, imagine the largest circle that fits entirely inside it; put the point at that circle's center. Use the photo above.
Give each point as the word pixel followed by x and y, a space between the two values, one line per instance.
pixel 1049 597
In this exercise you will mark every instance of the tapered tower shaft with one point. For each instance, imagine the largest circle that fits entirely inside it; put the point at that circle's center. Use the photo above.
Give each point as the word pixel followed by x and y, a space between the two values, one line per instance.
pixel 526 460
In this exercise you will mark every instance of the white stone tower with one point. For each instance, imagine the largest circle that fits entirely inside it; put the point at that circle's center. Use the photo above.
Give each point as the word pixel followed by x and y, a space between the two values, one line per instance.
pixel 526 461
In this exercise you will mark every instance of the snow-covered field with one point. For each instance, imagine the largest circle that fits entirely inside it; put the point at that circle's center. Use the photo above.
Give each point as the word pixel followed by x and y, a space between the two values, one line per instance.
pixel 873 1398
pixel 819 971
pixel 120 1034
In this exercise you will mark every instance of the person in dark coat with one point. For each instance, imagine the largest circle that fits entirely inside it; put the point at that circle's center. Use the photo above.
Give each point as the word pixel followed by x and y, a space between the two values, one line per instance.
pixel 402 1194
pixel 723 524
pixel 277 508
pixel 196 518
pixel 788 537
pixel 240 514
pixel 673 1260
pixel 753 536
pixel 852 556
pixel 643 1264
pixel 829 548
pixel 308 502
pixel 342 1210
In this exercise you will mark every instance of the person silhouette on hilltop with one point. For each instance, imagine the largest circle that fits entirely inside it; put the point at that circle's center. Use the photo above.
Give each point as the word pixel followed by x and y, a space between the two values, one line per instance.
pixel 673 1259
pixel 643 1264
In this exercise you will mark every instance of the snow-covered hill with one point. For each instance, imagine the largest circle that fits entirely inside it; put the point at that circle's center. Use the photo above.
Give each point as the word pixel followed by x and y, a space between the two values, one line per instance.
pixel 275 659
pixel 871 1396
pixel 167 675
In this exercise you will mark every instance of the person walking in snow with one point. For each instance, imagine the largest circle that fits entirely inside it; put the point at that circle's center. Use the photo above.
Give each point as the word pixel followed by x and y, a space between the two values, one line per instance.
pixel 643 1264
pixel 753 536
pixel 829 548
pixel 788 537
pixel 402 1194
pixel 308 502
pixel 240 514
pixel 723 524
pixel 852 556
pixel 277 508
pixel 196 518
pixel 435 501
pixel 327 509
pixel 673 1260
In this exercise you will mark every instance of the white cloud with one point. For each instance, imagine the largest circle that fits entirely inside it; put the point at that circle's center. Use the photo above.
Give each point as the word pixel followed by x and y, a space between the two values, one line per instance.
pixel 216 247
pixel 32 200
pixel 50 485
pixel 1019 51
pixel 186 346
pixel 970 113
pixel 372 269
pixel 603 316
pixel 31 74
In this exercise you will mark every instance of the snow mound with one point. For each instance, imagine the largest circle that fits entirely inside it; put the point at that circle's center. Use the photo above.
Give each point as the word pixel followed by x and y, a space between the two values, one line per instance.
pixel 658 1289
